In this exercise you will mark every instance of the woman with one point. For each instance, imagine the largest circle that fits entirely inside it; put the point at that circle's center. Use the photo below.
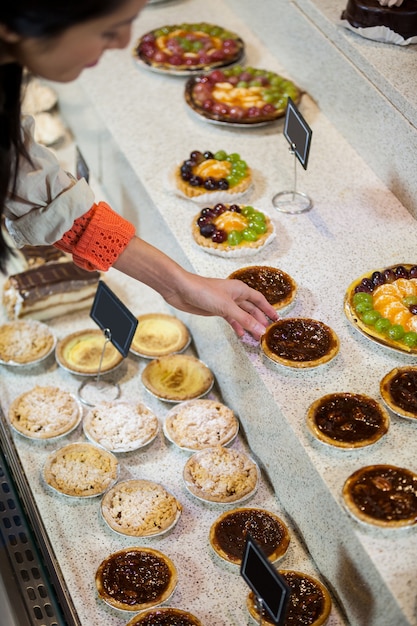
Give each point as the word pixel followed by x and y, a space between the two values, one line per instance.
pixel 42 204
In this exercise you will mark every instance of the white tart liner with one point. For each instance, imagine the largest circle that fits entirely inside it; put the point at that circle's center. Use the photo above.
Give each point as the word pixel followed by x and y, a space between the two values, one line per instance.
pixel 382 34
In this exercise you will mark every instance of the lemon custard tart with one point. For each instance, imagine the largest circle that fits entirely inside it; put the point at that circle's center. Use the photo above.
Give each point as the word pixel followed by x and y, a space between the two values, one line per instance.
pixel 158 334
pixel 300 342
pixel 136 578
pixel 231 228
pixel 229 532
pixel 382 495
pixel 80 352
pixel 207 173
pixel 277 286
pixel 177 377
pixel 189 47
pixel 347 420
pixel 382 304
pixel 242 96
pixel 398 389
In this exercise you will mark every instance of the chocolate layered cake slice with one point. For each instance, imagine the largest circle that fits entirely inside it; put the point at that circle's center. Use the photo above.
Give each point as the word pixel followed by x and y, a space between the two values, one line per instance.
pixel 48 291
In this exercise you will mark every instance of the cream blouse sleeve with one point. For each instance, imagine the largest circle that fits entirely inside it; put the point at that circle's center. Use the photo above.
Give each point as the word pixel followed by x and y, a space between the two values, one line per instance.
pixel 47 200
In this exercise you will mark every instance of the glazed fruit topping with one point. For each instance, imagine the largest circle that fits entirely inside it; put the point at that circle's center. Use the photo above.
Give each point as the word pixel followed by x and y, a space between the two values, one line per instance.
pixel 213 171
pixel 232 223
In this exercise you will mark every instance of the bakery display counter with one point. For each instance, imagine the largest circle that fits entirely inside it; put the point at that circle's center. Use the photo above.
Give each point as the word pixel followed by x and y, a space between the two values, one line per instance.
pixel 133 126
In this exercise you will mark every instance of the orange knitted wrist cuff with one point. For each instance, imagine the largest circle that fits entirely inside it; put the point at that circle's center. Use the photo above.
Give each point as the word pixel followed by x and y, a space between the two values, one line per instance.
pixel 97 238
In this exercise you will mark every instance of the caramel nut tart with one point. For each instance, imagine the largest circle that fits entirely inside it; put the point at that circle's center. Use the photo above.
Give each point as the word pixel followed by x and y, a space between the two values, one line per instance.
pixel 222 475
pixel 165 616
pixel 277 286
pixel 398 389
pixel 25 342
pixel 232 230
pixel 121 426
pixel 185 48
pixel 45 413
pixel 229 532
pixel 136 578
pixel 241 96
pixel 140 508
pixel 382 495
pixel 382 305
pixel 300 342
pixel 347 420
pixel 158 334
pixel 207 176
pixel 309 602
pixel 81 470
pixel 177 377
pixel 199 424
pixel 81 352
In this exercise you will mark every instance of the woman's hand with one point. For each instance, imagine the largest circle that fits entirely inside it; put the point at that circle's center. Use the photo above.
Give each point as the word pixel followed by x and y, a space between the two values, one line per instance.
pixel 244 308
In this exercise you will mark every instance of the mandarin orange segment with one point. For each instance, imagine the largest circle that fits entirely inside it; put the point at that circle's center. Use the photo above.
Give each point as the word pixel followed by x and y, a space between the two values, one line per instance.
pixel 230 220
pixel 212 167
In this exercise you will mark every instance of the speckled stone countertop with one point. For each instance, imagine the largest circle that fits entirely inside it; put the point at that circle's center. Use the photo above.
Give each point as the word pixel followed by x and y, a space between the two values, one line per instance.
pixel 137 121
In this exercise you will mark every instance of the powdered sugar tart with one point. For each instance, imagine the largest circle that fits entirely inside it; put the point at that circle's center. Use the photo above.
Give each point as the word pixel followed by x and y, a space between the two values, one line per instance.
pixel 81 470
pixel 185 48
pixel 222 475
pixel 240 96
pixel 382 495
pixel 210 177
pixel 121 426
pixel 232 230
pixel 25 342
pixel 199 424
pixel 140 508
pixel 276 285
pixel 45 413
pixel 80 353
pixel 382 305
pixel 136 578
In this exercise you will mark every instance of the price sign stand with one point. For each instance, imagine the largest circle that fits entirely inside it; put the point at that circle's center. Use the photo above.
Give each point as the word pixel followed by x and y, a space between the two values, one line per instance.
pixel 270 589
pixel 118 325
pixel 298 134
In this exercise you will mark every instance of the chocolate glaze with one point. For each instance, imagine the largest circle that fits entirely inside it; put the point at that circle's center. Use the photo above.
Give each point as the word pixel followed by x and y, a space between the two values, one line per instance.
pixel 306 600
pixel 272 283
pixel 349 418
pixel 230 533
pixel 40 282
pixel 385 492
pixel 299 339
pixel 135 577
pixel 403 390
pixel 366 13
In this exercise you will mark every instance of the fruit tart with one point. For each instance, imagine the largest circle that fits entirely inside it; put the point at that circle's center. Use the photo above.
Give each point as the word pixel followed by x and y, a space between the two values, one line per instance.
pixel 185 48
pixel 213 177
pixel 232 230
pixel 277 286
pixel 239 95
pixel 299 342
pixel 382 304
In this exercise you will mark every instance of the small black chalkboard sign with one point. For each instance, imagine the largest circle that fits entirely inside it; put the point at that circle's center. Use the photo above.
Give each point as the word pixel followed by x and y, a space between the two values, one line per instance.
pixel 297 132
pixel 111 314
pixel 264 580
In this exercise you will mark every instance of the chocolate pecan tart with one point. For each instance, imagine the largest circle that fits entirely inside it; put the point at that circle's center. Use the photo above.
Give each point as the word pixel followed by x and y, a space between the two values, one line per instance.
pixel 229 532
pixel 134 579
pixel 382 495
pixel 300 342
pixel 277 286
pixel 398 389
pixel 164 616
pixel 347 420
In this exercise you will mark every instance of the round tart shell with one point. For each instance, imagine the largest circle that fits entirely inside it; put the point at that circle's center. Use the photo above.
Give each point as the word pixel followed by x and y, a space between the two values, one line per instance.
pixel 300 327
pixel 177 377
pixel 379 476
pixel 205 195
pixel 358 406
pixel 319 589
pixel 159 334
pixel 157 556
pixel 249 525
pixel 277 286
pixel 165 616
pixel 409 376
pixel 88 359
pixel 370 331
pixel 150 522
pixel 25 342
